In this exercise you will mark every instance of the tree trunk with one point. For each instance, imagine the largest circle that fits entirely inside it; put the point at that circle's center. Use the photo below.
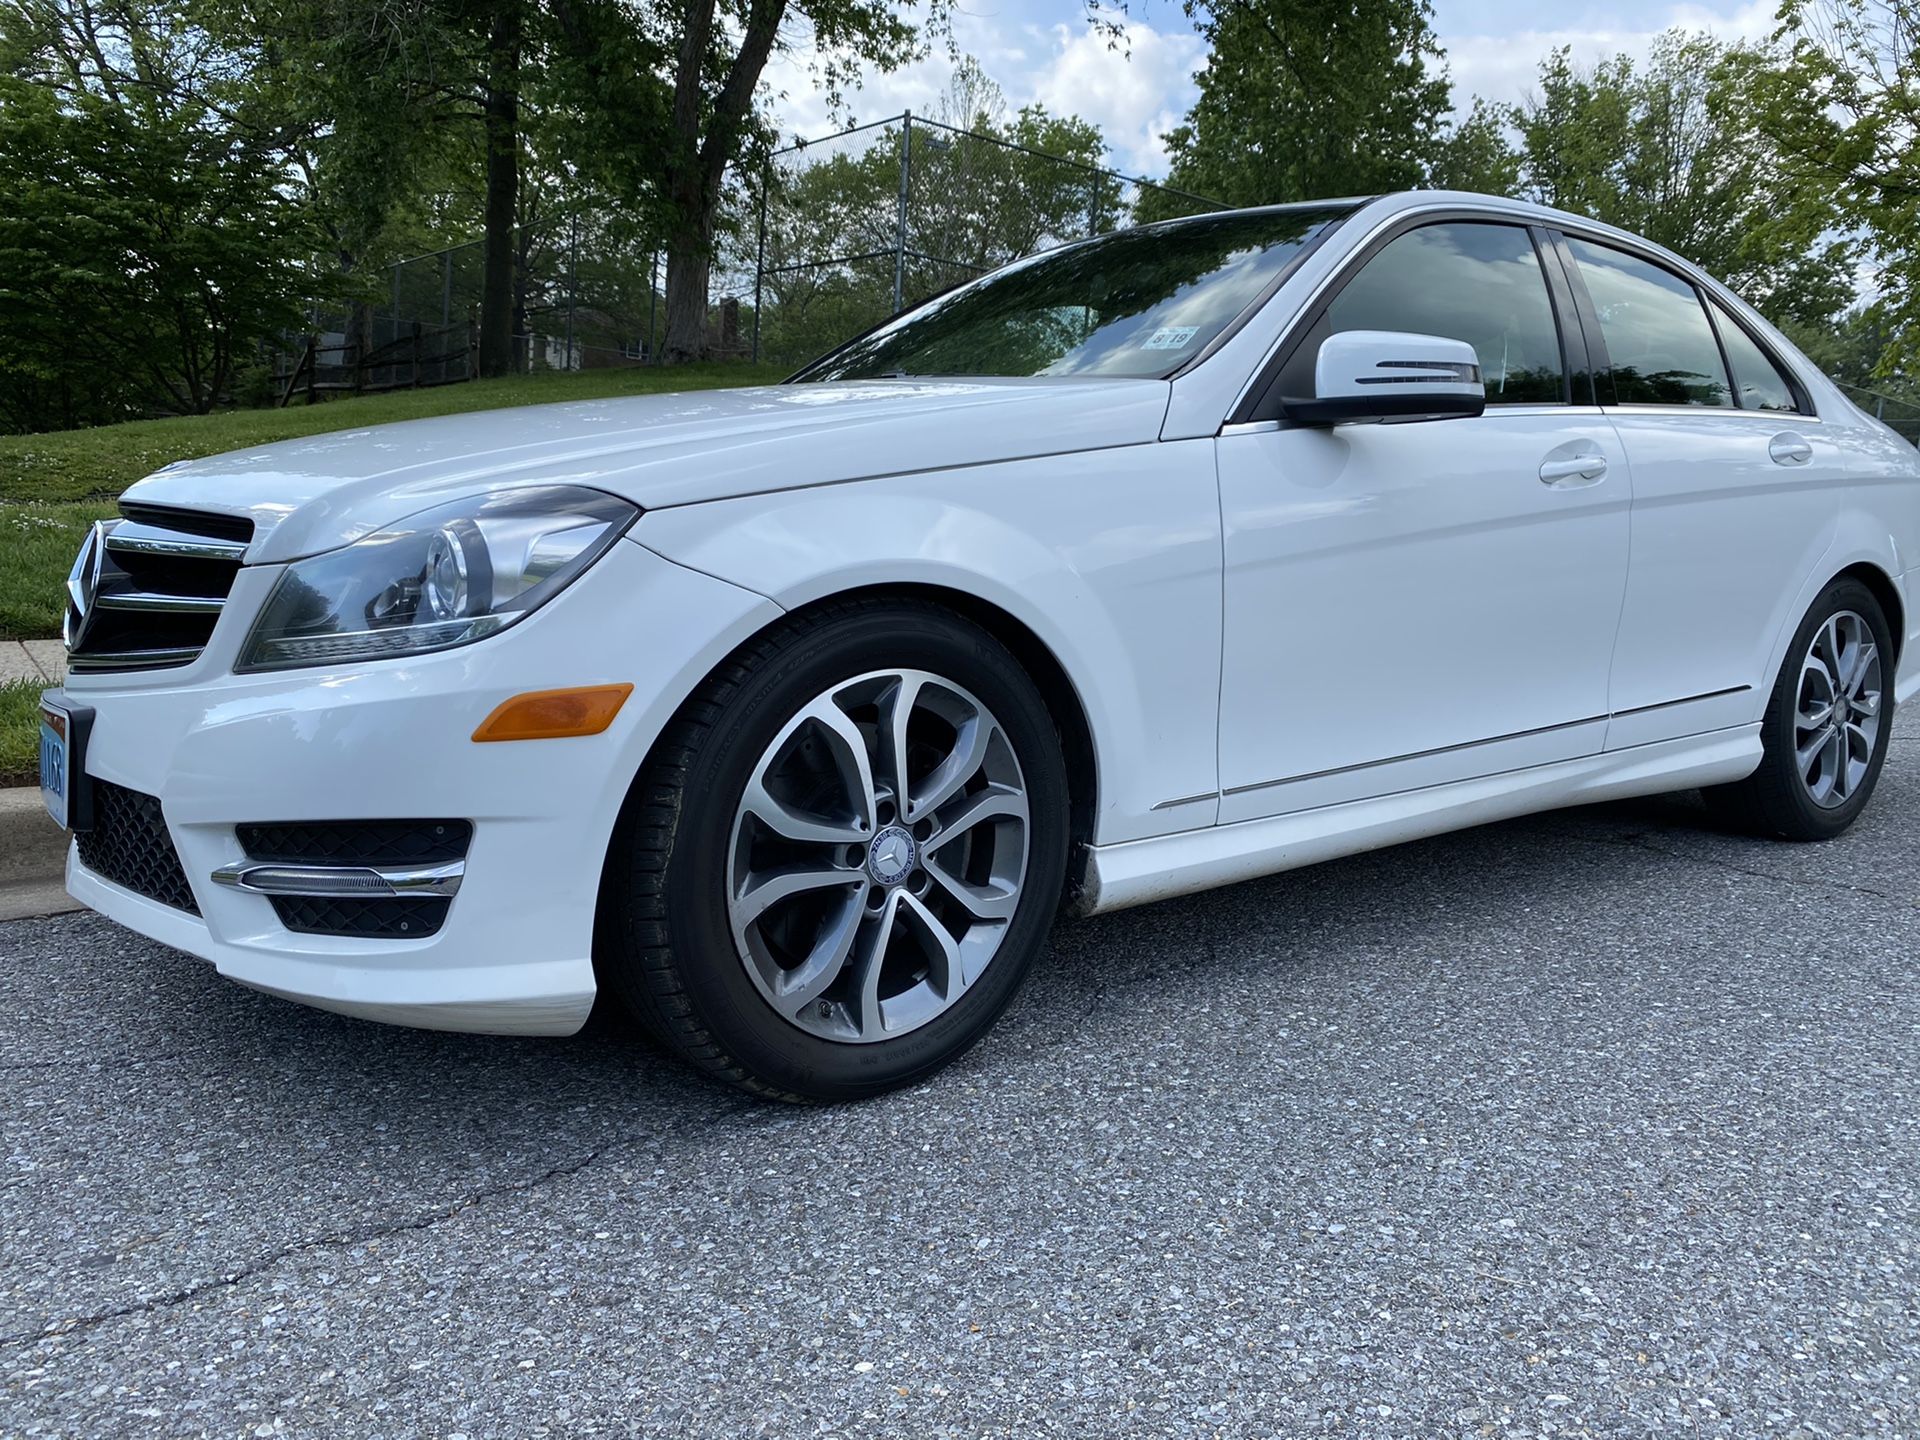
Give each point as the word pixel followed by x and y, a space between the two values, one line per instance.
pixel 502 107
pixel 689 259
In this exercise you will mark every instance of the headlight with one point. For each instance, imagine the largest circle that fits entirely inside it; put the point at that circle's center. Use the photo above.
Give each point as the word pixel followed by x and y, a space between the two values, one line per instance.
pixel 443 578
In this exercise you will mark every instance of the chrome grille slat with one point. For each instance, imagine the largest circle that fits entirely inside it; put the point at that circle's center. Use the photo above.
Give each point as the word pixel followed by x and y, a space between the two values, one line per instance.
pixel 131 537
pixel 171 604
pixel 134 659
pixel 147 590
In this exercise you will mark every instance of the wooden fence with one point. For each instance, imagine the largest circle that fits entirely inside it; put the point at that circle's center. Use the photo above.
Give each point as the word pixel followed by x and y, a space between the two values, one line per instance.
pixel 425 355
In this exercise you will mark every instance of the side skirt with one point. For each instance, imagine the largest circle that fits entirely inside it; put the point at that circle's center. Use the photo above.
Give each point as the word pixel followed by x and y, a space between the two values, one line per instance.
pixel 1136 872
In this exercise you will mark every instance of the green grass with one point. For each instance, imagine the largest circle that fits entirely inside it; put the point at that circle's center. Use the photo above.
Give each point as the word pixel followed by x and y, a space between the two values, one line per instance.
pixel 53 486
pixel 20 732
pixel 37 546
pixel 98 464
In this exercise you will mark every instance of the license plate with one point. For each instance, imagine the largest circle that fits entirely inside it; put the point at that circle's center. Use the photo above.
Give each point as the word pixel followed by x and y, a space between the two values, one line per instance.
pixel 56 756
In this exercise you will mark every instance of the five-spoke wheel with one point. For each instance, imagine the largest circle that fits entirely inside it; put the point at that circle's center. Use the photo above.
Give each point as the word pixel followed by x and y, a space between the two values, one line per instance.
pixel 1824 733
pixel 877 855
pixel 844 856
pixel 1836 719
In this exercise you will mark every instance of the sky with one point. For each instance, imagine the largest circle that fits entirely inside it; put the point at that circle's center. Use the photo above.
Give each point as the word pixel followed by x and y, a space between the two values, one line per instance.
pixel 1043 50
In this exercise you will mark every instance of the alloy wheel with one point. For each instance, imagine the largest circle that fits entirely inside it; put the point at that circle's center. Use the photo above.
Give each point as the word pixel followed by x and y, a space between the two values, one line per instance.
pixel 877 856
pixel 1837 710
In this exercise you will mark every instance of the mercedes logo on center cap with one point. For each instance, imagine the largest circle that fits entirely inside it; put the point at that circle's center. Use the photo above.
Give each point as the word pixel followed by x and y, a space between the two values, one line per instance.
pixel 891 856
pixel 83 584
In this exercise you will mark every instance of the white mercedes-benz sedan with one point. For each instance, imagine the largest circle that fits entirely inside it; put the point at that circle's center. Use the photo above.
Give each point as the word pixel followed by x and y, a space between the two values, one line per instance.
pixel 792 717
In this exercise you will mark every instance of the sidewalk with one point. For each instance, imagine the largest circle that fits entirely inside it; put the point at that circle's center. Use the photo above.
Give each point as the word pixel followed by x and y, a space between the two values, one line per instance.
pixel 33 852
pixel 40 660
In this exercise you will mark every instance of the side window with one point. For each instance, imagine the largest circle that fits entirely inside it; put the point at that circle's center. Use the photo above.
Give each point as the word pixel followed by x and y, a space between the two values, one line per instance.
pixel 1480 283
pixel 1659 344
pixel 1758 383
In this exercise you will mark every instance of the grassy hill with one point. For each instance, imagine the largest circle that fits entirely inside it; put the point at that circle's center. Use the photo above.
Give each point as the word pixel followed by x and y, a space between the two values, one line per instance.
pixel 53 486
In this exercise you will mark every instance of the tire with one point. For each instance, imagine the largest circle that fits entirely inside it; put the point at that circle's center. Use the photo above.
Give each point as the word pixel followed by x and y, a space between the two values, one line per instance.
pixel 686 936
pixel 1785 798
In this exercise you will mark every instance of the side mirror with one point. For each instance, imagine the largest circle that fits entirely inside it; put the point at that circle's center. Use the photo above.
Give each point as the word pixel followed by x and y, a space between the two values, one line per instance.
pixel 1362 375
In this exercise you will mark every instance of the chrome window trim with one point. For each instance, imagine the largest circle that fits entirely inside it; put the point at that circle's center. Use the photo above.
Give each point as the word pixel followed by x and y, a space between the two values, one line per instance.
pixel 1390 228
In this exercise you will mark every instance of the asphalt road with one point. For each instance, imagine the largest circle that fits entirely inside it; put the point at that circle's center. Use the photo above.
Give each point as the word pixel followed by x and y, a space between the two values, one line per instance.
pixel 1599 1123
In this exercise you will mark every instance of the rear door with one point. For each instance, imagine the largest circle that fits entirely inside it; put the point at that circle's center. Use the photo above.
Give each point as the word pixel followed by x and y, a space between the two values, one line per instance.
pixel 1733 501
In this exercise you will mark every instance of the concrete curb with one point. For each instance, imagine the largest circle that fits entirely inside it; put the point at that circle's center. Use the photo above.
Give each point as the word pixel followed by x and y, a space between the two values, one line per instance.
pixel 33 858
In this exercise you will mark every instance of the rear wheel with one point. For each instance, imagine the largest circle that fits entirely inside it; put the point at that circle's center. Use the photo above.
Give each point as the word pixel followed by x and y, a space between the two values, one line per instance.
pixel 843 857
pixel 1827 723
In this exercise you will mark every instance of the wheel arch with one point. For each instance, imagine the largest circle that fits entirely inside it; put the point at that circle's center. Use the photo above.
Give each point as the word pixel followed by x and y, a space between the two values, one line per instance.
pixel 1887 592
pixel 1057 690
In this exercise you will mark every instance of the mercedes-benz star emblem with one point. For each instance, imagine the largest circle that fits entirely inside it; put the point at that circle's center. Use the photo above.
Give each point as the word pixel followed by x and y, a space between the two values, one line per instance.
pixel 890 858
pixel 83 585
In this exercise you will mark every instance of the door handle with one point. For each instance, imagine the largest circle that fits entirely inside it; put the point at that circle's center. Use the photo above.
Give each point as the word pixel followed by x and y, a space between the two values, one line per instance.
pixel 1789 449
pixel 1580 467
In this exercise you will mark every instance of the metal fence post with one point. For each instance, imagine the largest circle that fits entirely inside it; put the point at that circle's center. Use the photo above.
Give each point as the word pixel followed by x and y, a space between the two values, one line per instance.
pixel 573 280
pixel 760 255
pixel 653 304
pixel 900 248
pixel 446 289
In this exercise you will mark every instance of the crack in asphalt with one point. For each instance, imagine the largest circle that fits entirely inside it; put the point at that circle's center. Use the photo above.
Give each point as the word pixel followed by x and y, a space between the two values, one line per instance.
pixel 85 1324
pixel 1643 840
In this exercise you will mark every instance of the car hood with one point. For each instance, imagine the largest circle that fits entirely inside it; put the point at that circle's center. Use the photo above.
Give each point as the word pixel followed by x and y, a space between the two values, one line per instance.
pixel 306 496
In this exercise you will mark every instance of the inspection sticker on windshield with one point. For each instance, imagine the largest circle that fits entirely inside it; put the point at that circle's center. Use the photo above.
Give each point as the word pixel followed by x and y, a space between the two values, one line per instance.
pixel 1170 337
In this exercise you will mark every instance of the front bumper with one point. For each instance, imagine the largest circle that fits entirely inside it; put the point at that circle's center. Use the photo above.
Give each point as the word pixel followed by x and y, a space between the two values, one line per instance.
pixel 390 740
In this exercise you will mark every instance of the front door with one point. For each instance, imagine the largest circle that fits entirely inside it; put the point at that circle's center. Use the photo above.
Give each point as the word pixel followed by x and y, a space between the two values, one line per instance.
pixel 1410 604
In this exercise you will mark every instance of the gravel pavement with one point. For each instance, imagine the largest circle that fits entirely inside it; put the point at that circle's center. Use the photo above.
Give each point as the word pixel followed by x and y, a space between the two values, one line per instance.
pixel 1600 1123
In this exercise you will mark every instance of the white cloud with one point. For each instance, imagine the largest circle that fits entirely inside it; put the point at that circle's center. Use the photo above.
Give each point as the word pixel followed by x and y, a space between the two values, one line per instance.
pixel 1505 68
pixel 1134 92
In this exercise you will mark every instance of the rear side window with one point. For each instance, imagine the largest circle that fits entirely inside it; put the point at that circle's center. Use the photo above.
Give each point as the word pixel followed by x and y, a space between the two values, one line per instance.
pixel 1480 283
pixel 1758 383
pixel 1660 348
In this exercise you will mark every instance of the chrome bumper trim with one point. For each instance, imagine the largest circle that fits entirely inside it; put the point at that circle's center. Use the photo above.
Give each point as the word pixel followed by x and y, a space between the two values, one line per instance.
pixel 341 882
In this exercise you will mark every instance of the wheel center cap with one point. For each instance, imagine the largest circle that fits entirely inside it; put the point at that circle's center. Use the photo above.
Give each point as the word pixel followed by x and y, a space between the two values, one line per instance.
pixel 890 858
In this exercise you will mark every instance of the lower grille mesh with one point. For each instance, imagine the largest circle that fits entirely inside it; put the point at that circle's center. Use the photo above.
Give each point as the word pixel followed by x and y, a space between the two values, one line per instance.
pixel 404 917
pixel 350 843
pixel 129 845
pixel 358 842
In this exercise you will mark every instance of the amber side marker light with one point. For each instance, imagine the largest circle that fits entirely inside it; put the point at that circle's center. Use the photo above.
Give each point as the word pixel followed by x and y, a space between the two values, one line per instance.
pixel 554 714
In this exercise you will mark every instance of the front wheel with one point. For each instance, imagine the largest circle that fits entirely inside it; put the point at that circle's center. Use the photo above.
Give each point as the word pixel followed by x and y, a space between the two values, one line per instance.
pixel 1827 723
pixel 843 857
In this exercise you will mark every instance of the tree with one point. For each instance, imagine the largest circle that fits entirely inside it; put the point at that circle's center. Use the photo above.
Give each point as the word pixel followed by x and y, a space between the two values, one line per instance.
pixel 977 198
pixel 1475 154
pixel 145 248
pixel 693 125
pixel 1842 112
pixel 1306 99
pixel 1673 151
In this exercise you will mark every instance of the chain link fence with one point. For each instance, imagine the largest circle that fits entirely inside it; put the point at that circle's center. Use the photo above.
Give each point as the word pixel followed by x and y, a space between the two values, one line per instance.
pixel 837 235
pixel 1901 416
pixel 858 226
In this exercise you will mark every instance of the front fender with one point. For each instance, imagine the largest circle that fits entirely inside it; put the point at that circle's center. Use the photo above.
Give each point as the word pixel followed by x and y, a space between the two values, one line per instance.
pixel 1110 558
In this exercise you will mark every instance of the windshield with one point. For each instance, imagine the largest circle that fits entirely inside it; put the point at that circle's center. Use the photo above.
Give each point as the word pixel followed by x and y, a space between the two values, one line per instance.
pixel 1138 303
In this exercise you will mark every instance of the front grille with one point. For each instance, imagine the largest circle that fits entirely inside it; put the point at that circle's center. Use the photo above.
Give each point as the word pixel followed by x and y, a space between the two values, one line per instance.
pixel 403 917
pixel 130 846
pixel 148 588
pixel 358 842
